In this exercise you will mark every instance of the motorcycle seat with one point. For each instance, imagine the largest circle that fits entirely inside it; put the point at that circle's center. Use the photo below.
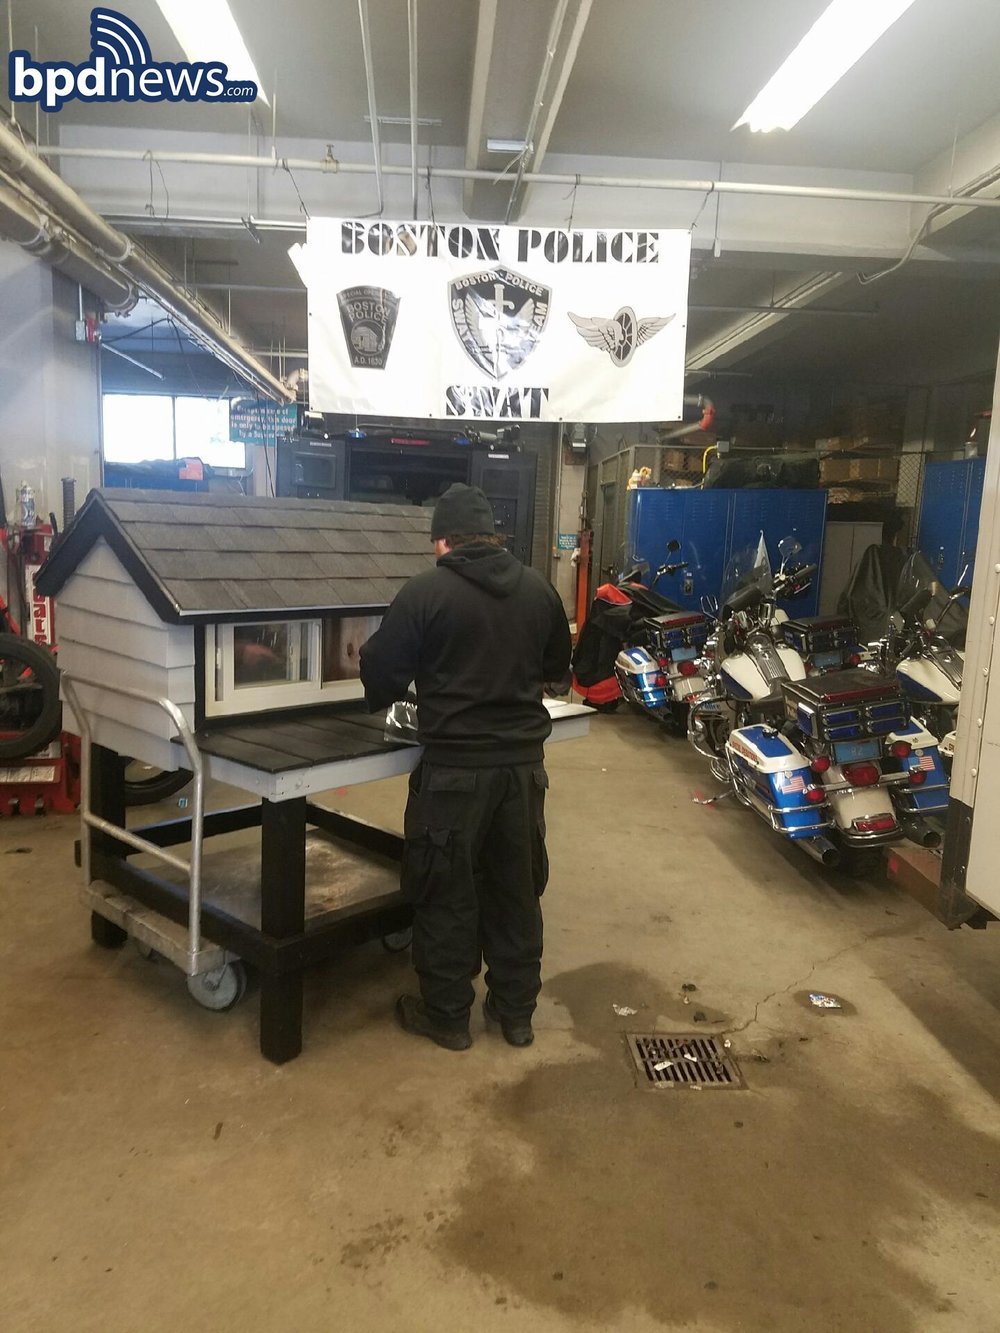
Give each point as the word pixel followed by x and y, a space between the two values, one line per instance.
pixel 766 707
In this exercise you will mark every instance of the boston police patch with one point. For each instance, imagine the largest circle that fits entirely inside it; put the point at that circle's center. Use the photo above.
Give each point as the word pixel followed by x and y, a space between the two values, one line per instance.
pixel 499 316
pixel 368 315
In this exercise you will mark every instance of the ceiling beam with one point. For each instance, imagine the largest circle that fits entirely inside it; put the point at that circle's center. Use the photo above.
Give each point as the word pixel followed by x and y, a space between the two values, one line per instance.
pixel 485 28
pixel 411 17
pixel 555 101
pixel 548 60
pixel 734 343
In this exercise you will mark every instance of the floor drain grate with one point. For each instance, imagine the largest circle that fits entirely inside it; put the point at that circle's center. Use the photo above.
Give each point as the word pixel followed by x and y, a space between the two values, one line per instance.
pixel 682 1062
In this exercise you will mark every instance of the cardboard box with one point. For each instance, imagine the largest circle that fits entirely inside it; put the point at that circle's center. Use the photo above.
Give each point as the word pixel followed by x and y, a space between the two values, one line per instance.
pixel 833 471
pixel 680 460
pixel 884 419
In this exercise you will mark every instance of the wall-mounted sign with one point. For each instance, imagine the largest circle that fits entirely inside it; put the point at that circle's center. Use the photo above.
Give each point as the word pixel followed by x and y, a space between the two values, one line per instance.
pixel 256 421
pixel 568 541
pixel 424 320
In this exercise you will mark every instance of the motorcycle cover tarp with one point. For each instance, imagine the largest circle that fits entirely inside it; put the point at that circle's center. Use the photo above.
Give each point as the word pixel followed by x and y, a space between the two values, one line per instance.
pixel 605 630
pixel 872 592
pixel 763 471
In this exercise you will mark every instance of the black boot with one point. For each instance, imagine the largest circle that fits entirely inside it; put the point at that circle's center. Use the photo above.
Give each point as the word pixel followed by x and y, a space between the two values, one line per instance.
pixel 412 1016
pixel 516 1031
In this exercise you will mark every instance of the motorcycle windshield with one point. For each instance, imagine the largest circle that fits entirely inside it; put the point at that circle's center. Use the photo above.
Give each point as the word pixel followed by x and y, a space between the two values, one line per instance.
pixel 917 577
pixel 921 596
pixel 748 568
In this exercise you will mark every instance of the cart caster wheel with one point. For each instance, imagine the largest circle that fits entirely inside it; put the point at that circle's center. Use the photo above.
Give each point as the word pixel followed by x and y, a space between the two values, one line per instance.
pixel 221 989
pixel 106 933
pixel 398 941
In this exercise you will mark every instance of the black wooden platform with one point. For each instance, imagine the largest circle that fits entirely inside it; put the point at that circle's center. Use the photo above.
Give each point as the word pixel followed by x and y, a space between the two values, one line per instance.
pixel 280 743
pixel 289 937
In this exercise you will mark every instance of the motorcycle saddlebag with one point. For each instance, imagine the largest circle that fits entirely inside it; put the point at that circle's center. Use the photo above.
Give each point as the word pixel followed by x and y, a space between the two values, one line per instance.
pixel 681 629
pixel 810 635
pixel 845 705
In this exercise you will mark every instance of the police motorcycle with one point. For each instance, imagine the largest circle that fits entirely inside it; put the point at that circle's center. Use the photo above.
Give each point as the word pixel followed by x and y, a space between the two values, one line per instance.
pixel 922 655
pixel 830 761
pixel 657 668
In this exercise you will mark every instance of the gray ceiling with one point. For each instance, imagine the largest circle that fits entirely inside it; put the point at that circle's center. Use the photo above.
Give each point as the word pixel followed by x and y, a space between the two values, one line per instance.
pixel 652 79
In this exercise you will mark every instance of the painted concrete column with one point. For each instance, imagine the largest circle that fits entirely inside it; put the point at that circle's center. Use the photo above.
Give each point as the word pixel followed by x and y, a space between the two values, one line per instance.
pixel 50 395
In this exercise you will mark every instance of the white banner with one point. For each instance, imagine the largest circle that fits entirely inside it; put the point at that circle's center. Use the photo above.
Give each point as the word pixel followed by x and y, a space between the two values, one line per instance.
pixel 422 320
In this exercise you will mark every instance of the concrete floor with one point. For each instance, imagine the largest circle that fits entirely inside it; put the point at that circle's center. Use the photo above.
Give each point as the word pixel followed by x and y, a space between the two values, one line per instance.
pixel 157 1175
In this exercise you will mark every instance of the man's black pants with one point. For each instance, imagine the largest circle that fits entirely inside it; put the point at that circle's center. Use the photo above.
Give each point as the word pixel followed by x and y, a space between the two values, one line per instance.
pixel 475 867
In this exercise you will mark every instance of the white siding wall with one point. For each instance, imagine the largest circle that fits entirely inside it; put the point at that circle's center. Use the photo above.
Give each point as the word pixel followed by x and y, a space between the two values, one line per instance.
pixel 108 631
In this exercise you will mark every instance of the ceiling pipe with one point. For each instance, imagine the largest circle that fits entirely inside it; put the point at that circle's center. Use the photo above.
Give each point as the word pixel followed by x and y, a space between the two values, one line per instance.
pixel 17 160
pixel 72 218
pixel 707 408
pixel 20 221
pixel 551 43
pixel 366 49
pixel 411 16
pixel 669 183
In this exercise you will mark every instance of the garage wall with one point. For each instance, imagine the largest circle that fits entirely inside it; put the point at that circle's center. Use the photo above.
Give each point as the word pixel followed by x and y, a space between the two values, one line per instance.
pixel 49 388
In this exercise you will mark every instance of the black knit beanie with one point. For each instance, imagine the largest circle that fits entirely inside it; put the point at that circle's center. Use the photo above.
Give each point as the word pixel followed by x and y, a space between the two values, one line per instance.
pixel 462 510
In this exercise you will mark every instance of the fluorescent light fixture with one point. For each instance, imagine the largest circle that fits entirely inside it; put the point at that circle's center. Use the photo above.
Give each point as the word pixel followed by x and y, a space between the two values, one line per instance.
pixel 505 145
pixel 836 41
pixel 432 122
pixel 206 31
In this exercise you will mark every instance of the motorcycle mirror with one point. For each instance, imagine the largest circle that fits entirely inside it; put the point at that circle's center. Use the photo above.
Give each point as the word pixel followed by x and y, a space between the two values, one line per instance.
pixel 673 544
pixel 789 547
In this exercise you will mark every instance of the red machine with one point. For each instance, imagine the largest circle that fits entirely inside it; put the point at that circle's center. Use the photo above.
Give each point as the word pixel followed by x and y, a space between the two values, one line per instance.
pixel 39 765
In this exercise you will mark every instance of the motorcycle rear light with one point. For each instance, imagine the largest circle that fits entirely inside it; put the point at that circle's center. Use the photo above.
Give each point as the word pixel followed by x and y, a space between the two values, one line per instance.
pixel 862 775
pixel 853 659
pixel 900 749
pixel 880 824
pixel 820 763
pixel 688 668
pixel 918 776
pixel 815 795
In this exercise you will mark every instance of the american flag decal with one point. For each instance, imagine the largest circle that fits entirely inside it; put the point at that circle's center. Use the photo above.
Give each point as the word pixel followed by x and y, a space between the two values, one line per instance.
pixel 925 761
pixel 791 782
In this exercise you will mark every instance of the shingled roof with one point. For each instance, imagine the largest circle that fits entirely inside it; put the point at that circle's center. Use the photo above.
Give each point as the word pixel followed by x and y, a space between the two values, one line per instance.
pixel 201 557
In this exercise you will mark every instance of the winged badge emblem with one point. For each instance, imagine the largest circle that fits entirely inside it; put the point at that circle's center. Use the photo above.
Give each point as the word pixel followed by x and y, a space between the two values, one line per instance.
pixel 620 335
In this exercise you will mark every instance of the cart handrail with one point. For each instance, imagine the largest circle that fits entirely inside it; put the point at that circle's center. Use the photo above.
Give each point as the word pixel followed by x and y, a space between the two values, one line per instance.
pixel 192 868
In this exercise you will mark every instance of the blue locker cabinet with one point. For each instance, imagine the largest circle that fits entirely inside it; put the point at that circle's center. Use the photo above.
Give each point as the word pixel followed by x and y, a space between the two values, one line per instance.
pixel 711 525
pixel 948 526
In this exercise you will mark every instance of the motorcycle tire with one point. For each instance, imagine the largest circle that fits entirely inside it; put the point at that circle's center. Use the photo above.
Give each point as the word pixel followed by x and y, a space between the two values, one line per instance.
pixel 156 785
pixel 30 711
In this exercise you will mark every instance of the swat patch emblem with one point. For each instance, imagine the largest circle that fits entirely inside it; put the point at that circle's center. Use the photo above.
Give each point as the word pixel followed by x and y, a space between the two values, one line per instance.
pixel 620 335
pixel 368 315
pixel 498 316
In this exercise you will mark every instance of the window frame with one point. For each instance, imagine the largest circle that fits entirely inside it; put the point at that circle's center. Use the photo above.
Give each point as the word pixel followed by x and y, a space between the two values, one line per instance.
pixel 175 456
pixel 226 699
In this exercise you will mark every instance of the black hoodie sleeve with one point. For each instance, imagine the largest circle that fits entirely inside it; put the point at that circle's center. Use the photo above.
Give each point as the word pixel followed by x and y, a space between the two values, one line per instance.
pixel 390 658
pixel 555 662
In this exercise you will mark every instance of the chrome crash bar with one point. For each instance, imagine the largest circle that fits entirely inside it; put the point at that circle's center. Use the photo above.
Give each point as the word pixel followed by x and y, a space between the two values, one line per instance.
pixel 192 867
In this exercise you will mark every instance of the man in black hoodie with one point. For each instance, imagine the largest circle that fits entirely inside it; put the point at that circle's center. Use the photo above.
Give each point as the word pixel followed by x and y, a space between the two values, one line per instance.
pixel 480 635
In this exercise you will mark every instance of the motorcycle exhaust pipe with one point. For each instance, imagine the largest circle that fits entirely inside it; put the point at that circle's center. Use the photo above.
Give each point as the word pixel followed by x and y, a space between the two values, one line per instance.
pixel 822 850
pixel 921 832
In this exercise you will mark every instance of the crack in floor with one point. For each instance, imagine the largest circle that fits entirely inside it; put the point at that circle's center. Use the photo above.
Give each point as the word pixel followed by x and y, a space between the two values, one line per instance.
pixel 882 932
